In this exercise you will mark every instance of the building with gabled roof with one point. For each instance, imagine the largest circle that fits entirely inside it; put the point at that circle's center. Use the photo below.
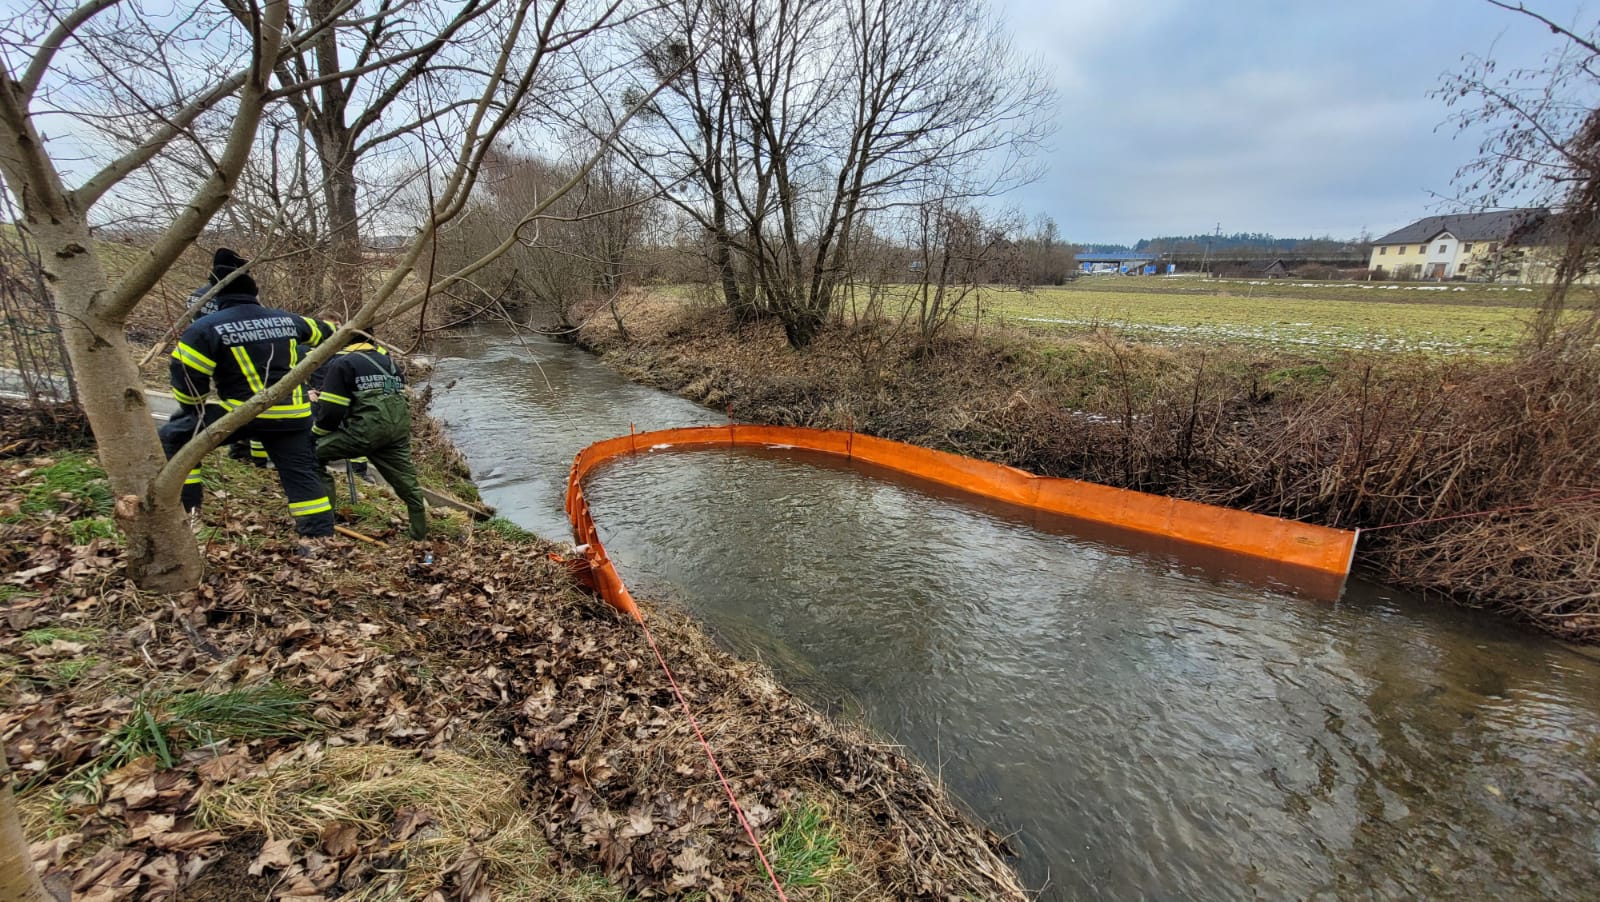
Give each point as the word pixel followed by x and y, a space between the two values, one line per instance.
pixel 1465 245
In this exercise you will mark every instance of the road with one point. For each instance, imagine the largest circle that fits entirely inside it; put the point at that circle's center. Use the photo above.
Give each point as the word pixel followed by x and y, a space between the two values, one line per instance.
pixel 12 385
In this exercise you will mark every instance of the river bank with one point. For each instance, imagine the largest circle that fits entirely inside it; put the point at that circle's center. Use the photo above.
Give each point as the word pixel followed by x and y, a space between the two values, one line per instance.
pixel 1473 476
pixel 366 722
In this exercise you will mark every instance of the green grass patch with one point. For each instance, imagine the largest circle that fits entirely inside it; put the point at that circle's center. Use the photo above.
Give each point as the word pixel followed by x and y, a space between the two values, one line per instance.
pixel 86 530
pixel 62 674
pixel 74 480
pixel 166 725
pixel 806 848
pixel 507 530
pixel 46 635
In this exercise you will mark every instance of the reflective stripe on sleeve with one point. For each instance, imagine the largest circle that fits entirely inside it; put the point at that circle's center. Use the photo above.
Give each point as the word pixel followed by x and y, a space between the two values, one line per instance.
pixel 332 398
pixel 194 477
pixel 193 359
pixel 185 398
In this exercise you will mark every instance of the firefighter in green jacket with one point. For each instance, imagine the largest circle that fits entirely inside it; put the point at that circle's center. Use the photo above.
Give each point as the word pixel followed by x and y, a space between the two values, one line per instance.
pixel 362 411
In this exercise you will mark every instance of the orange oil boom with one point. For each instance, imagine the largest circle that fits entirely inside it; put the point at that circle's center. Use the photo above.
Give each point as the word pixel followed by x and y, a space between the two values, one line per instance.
pixel 1321 552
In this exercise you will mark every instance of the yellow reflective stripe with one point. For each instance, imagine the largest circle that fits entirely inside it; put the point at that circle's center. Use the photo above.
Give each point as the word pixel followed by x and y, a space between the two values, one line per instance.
pixel 185 398
pixel 194 477
pixel 307 508
pixel 299 396
pixel 316 330
pixel 247 366
pixel 257 449
pixel 286 412
pixel 359 460
pixel 194 359
pixel 276 411
pixel 332 398
pixel 318 430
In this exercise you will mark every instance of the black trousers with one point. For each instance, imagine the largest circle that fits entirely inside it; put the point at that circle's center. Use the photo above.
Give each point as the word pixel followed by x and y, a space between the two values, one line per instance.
pixel 288 445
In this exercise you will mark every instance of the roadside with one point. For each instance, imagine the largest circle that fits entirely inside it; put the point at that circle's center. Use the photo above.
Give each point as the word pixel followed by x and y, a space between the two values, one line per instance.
pixel 1473 477
pixel 368 724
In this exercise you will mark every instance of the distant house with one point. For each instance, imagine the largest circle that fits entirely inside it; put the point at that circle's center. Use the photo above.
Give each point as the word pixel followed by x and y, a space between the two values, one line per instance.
pixel 1506 245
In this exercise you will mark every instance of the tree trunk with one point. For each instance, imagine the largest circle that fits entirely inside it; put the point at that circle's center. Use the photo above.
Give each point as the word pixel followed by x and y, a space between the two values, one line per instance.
pixel 344 233
pixel 18 880
pixel 162 554
pixel 722 256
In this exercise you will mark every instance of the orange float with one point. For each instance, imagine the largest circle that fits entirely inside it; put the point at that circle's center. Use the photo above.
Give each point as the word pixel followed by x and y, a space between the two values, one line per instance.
pixel 1320 554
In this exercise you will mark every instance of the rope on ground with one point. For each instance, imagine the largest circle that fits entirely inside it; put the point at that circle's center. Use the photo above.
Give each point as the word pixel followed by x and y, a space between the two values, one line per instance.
pixel 711 756
pixel 1574 499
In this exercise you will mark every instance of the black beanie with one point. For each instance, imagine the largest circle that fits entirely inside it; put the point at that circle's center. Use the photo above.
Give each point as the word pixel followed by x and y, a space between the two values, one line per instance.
pixel 225 261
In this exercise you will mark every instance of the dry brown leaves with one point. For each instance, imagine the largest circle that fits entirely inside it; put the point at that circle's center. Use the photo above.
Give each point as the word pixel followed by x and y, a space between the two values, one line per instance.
pixel 490 641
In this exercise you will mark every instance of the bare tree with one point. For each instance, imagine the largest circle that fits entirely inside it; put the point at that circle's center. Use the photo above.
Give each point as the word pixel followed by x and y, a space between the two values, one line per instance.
pixel 1543 147
pixel 957 253
pixel 580 252
pixel 349 87
pixel 798 121
pixel 529 39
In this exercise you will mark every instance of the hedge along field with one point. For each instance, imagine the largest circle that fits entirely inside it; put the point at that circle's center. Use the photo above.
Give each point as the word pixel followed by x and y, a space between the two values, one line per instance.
pixel 1441 319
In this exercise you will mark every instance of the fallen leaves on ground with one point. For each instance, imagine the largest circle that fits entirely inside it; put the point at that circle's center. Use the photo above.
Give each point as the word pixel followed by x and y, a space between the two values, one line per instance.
pixel 490 645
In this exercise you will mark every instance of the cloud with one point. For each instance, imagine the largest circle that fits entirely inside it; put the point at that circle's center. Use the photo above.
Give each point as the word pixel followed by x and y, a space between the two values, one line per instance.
pixel 1265 116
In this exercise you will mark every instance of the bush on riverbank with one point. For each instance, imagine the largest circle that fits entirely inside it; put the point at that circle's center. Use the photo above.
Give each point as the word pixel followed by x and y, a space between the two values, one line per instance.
pixel 363 724
pixel 1346 440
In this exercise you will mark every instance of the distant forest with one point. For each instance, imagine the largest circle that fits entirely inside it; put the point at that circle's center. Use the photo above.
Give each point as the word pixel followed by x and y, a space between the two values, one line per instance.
pixel 1195 244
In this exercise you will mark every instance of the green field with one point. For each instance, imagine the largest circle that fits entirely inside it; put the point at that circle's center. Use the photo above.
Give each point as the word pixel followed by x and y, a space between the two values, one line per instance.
pixel 1286 315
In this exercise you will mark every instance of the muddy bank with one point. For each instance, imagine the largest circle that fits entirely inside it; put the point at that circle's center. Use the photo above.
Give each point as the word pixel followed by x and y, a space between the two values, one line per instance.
pixel 1470 474
pixel 363 721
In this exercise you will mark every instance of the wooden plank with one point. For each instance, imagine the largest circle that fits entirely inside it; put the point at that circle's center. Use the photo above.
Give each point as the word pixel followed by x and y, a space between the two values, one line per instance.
pixel 442 499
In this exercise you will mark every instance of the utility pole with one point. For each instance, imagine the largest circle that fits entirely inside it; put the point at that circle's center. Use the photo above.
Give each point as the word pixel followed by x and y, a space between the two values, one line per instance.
pixel 1206 257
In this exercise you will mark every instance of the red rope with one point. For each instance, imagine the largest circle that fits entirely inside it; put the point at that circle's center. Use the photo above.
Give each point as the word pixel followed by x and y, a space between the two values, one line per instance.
pixel 1499 510
pixel 711 756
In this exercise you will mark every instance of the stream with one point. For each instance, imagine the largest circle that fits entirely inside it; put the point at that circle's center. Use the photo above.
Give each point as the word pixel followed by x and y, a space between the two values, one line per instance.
pixel 1142 723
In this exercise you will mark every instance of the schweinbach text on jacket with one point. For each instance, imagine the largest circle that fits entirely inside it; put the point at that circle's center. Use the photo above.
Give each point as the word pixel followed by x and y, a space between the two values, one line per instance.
pixel 358 368
pixel 240 350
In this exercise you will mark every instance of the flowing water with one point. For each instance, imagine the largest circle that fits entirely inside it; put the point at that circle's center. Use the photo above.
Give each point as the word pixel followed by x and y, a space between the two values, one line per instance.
pixel 1145 725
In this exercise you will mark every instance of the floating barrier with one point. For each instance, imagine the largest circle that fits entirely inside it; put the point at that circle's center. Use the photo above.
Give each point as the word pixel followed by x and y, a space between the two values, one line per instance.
pixel 1322 553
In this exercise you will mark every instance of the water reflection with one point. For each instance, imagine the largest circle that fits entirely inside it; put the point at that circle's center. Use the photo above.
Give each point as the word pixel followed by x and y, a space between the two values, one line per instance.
pixel 1147 728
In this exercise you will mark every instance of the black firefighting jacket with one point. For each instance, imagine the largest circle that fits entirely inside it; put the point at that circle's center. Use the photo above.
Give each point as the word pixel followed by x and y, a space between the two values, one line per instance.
pixel 240 350
pixel 360 367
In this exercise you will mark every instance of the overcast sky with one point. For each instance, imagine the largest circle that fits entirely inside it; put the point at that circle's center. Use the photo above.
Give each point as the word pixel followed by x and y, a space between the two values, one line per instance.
pixel 1277 116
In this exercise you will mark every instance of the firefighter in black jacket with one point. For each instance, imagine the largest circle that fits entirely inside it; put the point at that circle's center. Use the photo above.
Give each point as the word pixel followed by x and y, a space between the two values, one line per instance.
pixel 238 351
pixel 362 411
pixel 239 448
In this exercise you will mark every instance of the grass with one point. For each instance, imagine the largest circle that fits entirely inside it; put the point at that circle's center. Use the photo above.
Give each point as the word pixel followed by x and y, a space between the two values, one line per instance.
pixel 86 530
pixel 507 530
pixel 72 481
pixel 166 725
pixel 474 801
pixel 806 848
pixel 61 674
pixel 46 635
pixel 1294 316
